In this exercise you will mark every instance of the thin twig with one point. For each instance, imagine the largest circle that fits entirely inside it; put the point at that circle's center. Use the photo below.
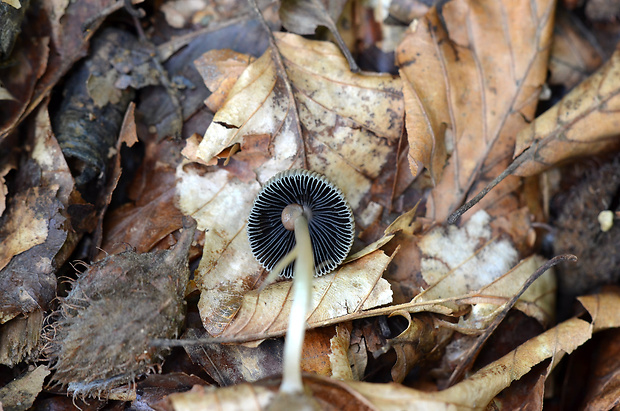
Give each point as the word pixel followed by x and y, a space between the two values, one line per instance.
pixel 526 155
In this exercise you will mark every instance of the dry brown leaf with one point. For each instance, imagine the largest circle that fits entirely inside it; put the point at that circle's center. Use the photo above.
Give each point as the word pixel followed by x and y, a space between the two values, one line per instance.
pixel 220 70
pixel 153 215
pixel 339 355
pixel 479 389
pixel 350 289
pixel 25 228
pixel 305 16
pixel 574 54
pixel 604 308
pixel 423 336
pixel 584 122
pixel 347 136
pixel 238 397
pixel 346 116
pixel 230 364
pixel 19 394
pixel 604 388
pixel 473 393
pixel 27 277
pixel 19 79
pixel 472 73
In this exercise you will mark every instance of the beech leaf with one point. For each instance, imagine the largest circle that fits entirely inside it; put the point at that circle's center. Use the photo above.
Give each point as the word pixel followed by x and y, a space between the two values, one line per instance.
pixel 352 124
pixel 584 122
pixel 350 289
pixel 472 72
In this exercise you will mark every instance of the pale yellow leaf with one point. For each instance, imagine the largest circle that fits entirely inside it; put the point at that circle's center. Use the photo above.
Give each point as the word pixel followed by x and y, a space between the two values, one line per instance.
pixel 354 287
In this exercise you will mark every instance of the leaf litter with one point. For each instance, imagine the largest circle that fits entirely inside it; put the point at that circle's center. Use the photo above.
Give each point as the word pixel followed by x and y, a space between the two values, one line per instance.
pixel 462 105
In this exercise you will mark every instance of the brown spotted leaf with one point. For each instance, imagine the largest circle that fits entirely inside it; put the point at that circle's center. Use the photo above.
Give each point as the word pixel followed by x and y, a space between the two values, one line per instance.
pixel 472 72
pixel 351 127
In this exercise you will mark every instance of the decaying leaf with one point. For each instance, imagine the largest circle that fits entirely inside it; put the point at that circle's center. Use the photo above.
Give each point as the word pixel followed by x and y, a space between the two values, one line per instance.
pixel 20 337
pixel 18 80
pixel 305 16
pixel 473 393
pixel 423 339
pixel 584 122
pixel 30 258
pixel 351 143
pixel 339 356
pixel 603 392
pixel 19 394
pixel 575 53
pixel 472 72
pixel 230 364
pixel 350 289
pixel 152 215
pixel 220 70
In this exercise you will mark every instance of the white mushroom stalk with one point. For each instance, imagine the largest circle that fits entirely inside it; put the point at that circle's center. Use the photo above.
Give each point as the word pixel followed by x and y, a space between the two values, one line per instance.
pixel 298 219
pixel 302 294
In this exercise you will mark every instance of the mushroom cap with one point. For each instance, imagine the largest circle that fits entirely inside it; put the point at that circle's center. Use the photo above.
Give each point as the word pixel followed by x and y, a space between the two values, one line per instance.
pixel 330 220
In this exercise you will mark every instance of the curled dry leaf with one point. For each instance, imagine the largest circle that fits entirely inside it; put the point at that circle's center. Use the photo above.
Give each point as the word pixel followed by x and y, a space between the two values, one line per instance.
pixel 350 289
pixel 338 357
pixel 305 16
pixel 230 364
pixel 584 122
pixel 473 393
pixel 27 276
pixel 352 124
pixel 472 72
pixel 152 215
pixel 604 308
pixel 423 336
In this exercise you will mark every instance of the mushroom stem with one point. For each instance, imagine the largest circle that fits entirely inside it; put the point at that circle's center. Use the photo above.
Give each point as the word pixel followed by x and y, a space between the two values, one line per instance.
pixel 302 294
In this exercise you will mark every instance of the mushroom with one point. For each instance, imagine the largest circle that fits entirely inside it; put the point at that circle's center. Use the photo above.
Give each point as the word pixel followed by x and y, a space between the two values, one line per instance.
pixel 284 198
pixel 300 224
